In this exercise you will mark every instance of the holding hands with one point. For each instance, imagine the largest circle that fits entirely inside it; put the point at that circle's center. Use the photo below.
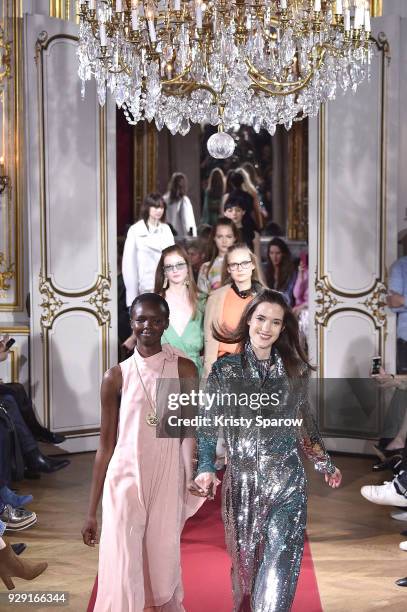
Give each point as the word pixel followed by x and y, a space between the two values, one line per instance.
pixel 334 480
pixel 207 482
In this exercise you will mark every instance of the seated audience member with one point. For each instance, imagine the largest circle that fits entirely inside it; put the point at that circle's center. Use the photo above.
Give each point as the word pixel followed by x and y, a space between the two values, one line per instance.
pixel 396 300
pixel 394 492
pixel 300 294
pixel 13 567
pixel 34 460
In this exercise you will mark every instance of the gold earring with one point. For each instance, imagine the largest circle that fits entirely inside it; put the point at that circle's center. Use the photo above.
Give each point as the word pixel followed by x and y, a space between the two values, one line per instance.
pixel 186 282
pixel 165 283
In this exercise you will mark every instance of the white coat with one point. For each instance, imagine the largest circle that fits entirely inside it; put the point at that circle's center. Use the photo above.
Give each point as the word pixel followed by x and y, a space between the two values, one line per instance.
pixel 142 251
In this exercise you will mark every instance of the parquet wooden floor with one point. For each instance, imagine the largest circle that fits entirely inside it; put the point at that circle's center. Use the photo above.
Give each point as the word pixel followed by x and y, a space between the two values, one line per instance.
pixel 354 543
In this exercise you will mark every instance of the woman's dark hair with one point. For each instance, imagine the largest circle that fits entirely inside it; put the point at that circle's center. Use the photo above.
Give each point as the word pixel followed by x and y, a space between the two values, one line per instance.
pixel 216 184
pixel 193 292
pixel 288 343
pixel 152 298
pixel 236 180
pixel 229 175
pixel 212 248
pixel 286 267
pixel 177 186
pixel 155 200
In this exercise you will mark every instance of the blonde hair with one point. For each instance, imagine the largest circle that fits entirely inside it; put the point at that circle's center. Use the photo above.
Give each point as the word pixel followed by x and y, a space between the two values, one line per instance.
pixel 257 274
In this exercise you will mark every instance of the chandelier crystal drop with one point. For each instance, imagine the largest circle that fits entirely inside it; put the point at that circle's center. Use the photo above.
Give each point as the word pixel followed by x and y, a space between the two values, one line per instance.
pixel 221 145
pixel 223 62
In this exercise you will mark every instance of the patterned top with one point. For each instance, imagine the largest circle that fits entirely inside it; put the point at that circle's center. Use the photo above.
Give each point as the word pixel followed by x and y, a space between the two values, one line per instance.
pixel 209 281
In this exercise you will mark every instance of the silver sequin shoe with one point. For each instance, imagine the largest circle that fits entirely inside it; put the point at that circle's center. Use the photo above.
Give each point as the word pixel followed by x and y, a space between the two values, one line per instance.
pixel 17 519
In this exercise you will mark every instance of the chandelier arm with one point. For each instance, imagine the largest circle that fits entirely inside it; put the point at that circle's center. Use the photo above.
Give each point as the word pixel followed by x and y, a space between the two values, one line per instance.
pixel 191 87
pixel 255 76
pixel 179 77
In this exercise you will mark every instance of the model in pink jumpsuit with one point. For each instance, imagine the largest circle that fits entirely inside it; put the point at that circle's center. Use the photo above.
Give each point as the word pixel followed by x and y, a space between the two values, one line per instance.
pixel 145 501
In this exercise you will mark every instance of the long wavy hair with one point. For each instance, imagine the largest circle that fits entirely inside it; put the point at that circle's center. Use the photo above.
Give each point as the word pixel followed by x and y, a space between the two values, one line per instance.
pixel 212 248
pixel 252 172
pixel 288 343
pixel 177 187
pixel 287 267
pixel 247 184
pixel 216 184
pixel 256 273
pixel 193 291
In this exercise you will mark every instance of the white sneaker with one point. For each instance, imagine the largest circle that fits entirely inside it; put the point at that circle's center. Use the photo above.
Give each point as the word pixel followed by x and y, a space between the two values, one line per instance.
pixel 399 515
pixel 403 545
pixel 385 495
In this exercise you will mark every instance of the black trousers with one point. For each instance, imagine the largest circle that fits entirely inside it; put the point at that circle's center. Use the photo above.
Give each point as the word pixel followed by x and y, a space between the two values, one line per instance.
pixel 24 403
pixel 5 468
pixel 401 357
pixel 25 437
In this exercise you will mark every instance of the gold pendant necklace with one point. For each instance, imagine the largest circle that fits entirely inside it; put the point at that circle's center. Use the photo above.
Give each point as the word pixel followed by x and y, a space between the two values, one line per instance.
pixel 151 417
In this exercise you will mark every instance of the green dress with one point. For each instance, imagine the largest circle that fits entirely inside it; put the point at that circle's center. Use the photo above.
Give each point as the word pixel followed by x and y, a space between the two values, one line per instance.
pixel 191 340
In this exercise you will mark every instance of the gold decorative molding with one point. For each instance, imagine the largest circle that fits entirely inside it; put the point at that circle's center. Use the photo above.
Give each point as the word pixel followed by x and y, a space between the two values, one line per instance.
pixel 5 57
pixel 376 302
pixel 100 298
pixel 11 60
pixel 51 304
pixel 325 301
pixel 7 272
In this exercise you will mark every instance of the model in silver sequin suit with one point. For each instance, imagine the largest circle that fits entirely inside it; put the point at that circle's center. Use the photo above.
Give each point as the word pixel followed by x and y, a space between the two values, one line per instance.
pixel 264 499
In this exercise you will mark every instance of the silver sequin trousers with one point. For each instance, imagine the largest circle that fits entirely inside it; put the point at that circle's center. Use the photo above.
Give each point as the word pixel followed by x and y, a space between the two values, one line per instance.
pixel 264 507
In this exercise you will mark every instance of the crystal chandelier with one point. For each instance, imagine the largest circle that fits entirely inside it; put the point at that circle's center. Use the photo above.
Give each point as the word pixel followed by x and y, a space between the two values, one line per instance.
pixel 223 62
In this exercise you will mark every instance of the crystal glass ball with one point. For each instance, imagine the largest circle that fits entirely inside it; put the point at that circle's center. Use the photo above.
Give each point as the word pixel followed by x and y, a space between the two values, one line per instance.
pixel 221 145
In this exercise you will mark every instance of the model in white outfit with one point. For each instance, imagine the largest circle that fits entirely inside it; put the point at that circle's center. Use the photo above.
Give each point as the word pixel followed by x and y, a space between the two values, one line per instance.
pixel 142 250
pixel 180 213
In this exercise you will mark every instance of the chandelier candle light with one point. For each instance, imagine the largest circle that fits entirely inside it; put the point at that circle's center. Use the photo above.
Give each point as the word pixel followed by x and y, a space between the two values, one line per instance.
pixel 226 63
